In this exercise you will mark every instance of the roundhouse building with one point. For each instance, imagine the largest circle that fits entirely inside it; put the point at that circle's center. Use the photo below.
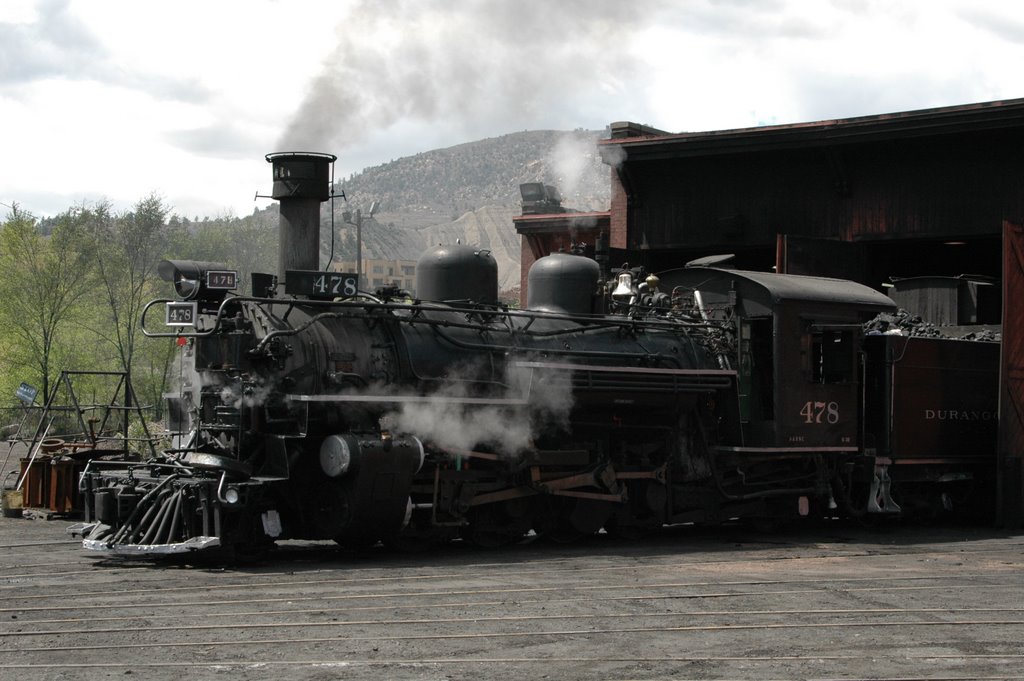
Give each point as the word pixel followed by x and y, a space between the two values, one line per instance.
pixel 883 200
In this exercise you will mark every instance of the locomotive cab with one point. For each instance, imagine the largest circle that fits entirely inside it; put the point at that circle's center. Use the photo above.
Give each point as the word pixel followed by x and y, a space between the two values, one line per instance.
pixel 796 351
pixel 796 346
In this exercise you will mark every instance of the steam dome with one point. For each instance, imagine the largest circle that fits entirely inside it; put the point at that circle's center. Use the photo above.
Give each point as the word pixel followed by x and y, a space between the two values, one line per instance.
pixel 457 273
pixel 562 282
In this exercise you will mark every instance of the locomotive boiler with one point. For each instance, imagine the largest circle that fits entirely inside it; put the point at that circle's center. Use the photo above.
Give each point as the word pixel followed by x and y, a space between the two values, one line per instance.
pixel 314 410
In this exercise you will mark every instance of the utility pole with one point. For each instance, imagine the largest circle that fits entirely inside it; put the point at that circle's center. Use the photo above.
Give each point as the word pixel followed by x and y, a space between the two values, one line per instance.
pixel 359 238
pixel 359 249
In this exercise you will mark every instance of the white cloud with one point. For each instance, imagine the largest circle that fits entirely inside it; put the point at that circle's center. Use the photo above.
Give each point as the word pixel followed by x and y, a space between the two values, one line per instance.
pixel 814 60
pixel 17 11
pixel 121 98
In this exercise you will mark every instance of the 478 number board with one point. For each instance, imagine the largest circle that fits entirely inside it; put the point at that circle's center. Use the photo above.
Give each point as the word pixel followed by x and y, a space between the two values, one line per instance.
pixel 317 284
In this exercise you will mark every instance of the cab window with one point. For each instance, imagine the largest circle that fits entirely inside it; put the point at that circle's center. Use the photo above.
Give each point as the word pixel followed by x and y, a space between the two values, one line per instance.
pixel 831 355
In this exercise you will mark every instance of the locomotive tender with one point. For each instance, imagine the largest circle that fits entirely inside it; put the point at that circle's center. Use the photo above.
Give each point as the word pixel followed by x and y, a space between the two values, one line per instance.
pixel 616 400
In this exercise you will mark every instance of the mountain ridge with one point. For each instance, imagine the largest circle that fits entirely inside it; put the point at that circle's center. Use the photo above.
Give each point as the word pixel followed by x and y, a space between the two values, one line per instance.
pixel 467 192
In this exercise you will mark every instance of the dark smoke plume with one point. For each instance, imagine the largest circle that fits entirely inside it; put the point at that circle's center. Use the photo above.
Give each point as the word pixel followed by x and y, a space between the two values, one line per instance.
pixel 482 67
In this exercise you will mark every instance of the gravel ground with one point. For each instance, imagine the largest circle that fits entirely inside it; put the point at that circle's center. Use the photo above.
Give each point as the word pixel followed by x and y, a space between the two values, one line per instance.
pixel 825 602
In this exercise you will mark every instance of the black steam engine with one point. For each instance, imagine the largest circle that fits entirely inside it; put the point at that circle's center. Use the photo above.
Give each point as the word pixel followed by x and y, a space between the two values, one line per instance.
pixel 616 400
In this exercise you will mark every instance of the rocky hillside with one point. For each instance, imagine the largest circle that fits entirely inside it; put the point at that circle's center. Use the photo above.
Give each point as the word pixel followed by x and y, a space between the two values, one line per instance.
pixel 468 192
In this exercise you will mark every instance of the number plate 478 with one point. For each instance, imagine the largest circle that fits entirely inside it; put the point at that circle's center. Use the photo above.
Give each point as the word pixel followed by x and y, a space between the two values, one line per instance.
pixel 820 412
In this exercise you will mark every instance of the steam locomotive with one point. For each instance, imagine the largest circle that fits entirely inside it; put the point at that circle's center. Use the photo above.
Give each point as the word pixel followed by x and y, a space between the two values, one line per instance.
pixel 617 399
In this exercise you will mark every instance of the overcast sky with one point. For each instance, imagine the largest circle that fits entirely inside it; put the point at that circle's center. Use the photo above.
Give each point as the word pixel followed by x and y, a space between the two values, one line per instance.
pixel 117 99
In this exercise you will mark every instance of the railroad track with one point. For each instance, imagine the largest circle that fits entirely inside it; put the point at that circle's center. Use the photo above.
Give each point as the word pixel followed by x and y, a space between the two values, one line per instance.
pixel 913 603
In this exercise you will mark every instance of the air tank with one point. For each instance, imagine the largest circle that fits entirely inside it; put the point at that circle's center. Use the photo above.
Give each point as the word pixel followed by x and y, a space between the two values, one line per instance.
pixel 457 273
pixel 562 282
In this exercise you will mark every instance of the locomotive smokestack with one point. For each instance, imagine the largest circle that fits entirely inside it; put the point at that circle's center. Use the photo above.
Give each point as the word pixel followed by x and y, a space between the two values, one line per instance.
pixel 302 182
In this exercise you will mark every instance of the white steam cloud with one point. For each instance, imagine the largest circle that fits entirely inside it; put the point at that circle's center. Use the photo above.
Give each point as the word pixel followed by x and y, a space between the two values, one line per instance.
pixel 569 162
pixel 249 394
pixel 532 403
pixel 614 156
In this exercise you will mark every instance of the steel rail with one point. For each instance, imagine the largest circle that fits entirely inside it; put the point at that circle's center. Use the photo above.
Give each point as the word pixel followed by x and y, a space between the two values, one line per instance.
pixel 518 634
pixel 121 572
pixel 230 664
pixel 542 570
pixel 477 604
pixel 297 552
pixel 68 544
pixel 497 590
pixel 481 619
pixel 543 567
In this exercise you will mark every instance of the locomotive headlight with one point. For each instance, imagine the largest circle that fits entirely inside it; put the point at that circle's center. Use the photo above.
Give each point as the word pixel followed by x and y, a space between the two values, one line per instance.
pixel 336 454
pixel 231 495
pixel 194 280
